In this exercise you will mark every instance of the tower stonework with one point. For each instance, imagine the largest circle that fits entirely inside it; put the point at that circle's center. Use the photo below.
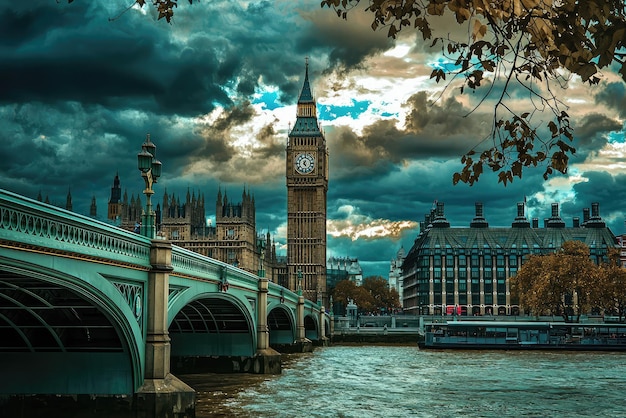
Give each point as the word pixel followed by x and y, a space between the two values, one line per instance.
pixel 115 201
pixel 307 187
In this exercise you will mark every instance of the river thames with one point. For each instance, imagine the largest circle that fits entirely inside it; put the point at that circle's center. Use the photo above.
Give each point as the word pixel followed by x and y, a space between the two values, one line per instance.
pixel 402 381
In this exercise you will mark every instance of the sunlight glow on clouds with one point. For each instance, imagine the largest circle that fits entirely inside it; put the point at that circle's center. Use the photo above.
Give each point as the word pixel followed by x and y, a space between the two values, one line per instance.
pixel 611 158
pixel 358 226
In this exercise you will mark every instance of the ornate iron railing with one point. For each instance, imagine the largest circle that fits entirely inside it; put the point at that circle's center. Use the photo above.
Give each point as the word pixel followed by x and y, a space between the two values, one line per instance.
pixel 26 222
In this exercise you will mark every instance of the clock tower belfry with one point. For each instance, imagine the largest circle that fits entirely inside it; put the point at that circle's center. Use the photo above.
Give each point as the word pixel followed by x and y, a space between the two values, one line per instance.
pixel 307 186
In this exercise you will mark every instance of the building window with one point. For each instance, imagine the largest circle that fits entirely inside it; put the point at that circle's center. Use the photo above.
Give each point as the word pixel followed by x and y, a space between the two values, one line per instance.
pixel 475 286
pixel 475 273
pixel 488 287
pixel 449 298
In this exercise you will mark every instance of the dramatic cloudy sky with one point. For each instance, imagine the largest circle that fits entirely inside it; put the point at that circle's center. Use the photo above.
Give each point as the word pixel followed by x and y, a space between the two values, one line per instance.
pixel 217 90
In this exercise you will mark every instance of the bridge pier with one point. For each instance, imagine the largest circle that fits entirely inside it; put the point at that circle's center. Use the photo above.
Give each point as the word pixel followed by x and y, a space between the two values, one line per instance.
pixel 266 360
pixel 302 344
pixel 323 341
pixel 162 394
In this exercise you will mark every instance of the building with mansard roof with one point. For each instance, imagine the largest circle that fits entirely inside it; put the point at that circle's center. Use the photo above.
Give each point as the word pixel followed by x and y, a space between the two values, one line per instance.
pixel 466 270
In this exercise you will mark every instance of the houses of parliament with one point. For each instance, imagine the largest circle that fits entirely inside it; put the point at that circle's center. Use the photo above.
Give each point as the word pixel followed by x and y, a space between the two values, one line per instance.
pixel 233 239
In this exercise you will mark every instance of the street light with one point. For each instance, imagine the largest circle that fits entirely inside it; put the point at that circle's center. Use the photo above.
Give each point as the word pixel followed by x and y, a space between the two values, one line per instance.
pixel 261 246
pixel 299 282
pixel 150 169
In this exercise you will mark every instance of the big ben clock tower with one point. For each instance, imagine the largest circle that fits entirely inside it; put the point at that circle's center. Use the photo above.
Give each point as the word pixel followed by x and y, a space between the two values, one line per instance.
pixel 307 186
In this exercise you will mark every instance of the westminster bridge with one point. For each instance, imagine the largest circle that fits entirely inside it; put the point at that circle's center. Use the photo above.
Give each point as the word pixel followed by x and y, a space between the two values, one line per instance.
pixel 89 308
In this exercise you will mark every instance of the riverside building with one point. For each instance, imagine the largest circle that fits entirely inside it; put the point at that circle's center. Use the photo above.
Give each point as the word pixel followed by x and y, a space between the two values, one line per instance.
pixel 466 270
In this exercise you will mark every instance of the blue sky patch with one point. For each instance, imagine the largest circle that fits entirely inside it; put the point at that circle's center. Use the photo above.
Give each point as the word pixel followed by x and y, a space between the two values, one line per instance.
pixel 268 98
pixel 329 112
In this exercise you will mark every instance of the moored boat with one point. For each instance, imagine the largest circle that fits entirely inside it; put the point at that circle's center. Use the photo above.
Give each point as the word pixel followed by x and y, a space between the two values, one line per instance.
pixel 525 335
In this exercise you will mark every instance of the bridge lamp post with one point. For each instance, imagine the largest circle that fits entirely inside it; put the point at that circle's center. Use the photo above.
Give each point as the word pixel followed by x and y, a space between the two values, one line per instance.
pixel 261 246
pixel 150 169
pixel 299 282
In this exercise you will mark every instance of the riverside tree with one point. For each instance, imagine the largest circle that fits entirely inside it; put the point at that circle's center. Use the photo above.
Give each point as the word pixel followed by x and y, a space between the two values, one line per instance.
pixel 561 283
pixel 346 290
pixel 384 299
pixel 373 296
pixel 611 287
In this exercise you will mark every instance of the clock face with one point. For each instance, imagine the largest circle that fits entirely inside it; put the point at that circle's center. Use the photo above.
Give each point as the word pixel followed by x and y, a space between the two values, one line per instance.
pixel 305 163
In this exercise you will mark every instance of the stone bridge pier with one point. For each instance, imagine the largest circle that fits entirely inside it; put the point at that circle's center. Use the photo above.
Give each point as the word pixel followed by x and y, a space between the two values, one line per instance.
pixel 267 360
pixel 162 393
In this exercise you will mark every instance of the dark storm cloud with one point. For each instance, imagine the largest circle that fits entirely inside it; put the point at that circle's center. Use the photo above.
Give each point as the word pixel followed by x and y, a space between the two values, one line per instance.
pixel 590 134
pixel 614 95
pixel 347 42
pixel 432 129
pixel 216 135
pixel 86 58
pixel 607 190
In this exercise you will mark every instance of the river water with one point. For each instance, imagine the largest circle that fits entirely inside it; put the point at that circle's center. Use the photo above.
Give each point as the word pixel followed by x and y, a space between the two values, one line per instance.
pixel 402 381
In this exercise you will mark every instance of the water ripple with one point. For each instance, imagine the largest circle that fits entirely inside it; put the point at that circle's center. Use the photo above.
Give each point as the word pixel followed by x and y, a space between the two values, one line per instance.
pixel 389 381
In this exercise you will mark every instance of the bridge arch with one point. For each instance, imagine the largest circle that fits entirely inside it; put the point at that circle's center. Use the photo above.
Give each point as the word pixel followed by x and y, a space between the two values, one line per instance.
pixel 211 324
pixel 281 323
pixel 326 325
pixel 311 327
pixel 65 334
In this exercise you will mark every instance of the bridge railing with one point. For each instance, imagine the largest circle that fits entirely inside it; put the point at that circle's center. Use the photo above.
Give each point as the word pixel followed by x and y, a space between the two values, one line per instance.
pixel 30 224
pixel 189 263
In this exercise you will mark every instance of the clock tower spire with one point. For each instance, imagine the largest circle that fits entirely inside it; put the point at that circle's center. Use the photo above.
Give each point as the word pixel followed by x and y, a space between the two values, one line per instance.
pixel 307 187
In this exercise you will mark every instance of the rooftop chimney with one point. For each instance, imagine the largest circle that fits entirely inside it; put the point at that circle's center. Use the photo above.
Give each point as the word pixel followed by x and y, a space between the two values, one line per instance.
pixel 520 221
pixel 595 221
pixel 585 215
pixel 555 220
pixel 479 221
pixel 440 220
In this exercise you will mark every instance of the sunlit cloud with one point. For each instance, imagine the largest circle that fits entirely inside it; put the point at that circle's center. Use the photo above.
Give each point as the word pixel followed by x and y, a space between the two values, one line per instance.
pixel 358 226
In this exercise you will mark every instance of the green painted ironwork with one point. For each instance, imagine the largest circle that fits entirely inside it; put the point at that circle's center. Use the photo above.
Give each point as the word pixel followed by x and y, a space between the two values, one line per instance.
pixel 133 294
pixel 31 222
pixel 94 267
